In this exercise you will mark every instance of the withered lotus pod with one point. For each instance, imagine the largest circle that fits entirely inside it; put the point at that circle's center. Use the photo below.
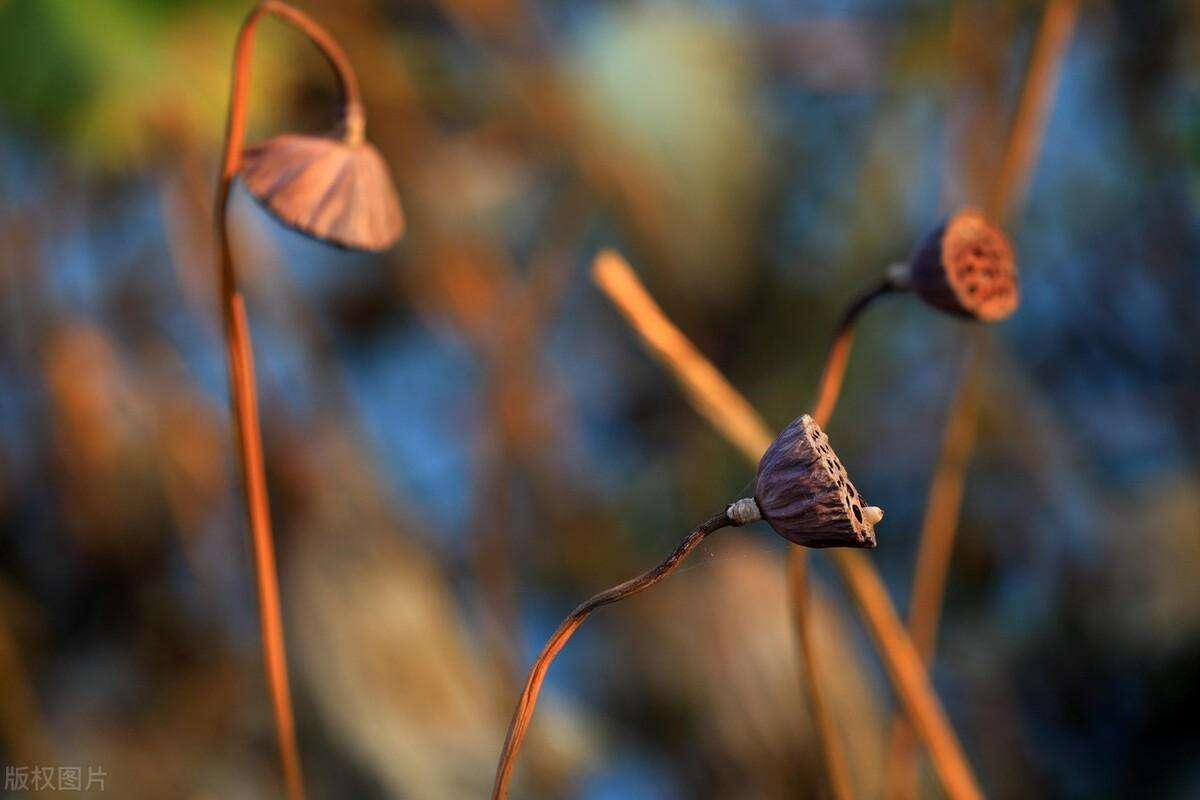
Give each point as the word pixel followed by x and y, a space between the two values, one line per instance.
pixel 803 492
pixel 336 189
pixel 966 267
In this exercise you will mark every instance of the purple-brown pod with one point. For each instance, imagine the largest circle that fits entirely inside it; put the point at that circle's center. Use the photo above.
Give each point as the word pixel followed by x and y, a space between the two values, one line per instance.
pixel 337 190
pixel 803 492
pixel 966 267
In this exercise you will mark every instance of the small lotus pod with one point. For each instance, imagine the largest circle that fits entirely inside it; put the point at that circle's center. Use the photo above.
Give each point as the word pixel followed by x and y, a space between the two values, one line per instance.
pixel 802 491
pixel 966 267
pixel 337 190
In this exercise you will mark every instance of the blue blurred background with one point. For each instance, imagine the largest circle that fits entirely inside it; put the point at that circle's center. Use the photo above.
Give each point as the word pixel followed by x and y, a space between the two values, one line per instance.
pixel 463 438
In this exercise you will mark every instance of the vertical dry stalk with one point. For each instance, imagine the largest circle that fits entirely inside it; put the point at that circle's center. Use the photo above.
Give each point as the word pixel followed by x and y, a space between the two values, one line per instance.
pixel 829 388
pixel 240 358
pixel 840 784
pixel 933 560
pixel 733 416
pixel 938 529
pixel 941 518
pixel 1033 109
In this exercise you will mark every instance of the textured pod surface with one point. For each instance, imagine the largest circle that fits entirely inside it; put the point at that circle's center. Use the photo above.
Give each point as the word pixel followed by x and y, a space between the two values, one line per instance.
pixel 803 491
pixel 332 190
pixel 966 267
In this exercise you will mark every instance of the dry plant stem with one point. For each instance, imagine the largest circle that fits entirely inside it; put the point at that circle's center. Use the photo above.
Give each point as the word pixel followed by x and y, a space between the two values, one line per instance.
pixel 906 670
pixel 715 399
pixel 840 785
pixel 938 527
pixel 1033 109
pixel 239 354
pixel 933 561
pixel 938 530
pixel 729 412
pixel 830 385
pixel 537 673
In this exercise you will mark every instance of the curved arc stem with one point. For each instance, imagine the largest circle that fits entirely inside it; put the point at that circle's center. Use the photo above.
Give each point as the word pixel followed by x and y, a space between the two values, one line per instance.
pixel 838 356
pixel 240 361
pixel 537 673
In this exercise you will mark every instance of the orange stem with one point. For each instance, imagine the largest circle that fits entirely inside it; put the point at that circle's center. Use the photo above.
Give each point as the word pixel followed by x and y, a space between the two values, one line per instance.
pixel 830 385
pixel 907 672
pixel 1033 109
pixel 944 502
pixel 933 561
pixel 240 359
pixel 527 702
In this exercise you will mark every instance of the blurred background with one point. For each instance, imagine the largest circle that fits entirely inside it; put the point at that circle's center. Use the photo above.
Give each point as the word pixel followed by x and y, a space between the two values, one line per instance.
pixel 464 439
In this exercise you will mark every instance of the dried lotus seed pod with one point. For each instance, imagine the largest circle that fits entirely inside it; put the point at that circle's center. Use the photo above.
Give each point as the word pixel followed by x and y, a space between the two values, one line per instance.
pixel 966 267
pixel 337 190
pixel 803 492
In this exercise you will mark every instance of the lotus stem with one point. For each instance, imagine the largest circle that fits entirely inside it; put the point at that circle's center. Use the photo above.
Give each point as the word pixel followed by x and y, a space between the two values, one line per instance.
pixel 240 361
pixel 527 702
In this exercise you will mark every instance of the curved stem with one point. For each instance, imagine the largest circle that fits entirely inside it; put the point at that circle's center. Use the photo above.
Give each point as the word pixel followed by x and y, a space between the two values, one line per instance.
pixel 235 125
pixel 830 385
pixel 240 359
pixel 537 673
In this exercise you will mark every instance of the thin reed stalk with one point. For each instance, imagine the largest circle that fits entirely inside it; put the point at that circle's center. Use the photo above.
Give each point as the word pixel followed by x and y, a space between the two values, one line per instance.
pixel 733 416
pixel 944 502
pixel 240 361
pixel 933 562
pixel 1033 110
pixel 840 785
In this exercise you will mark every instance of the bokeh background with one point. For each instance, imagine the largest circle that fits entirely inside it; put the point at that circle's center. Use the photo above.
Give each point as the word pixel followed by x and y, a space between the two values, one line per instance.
pixel 463 438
